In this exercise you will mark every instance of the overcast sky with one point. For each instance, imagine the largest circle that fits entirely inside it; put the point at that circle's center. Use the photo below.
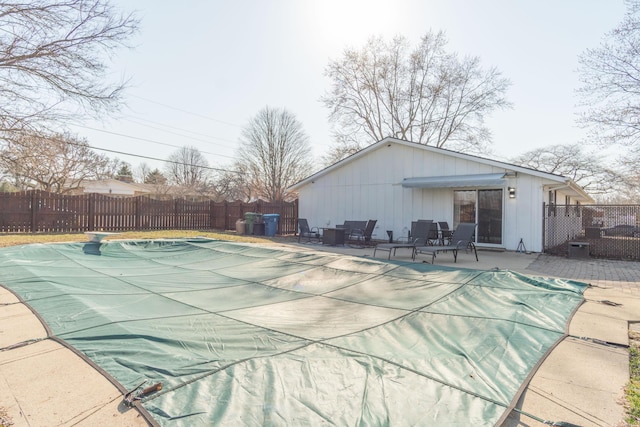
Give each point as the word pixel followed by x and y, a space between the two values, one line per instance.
pixel 201 69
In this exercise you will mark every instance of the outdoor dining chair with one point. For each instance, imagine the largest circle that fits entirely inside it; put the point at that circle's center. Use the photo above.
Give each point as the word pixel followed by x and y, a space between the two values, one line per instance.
pixel 362 237
pixel 432 237
pixel 352 226
pixel 445 232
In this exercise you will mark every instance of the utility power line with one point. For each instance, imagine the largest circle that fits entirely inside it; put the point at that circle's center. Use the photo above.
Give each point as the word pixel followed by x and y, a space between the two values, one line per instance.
pixel 93 147
pixel 147 140
pixel 134 118
pixel 186 112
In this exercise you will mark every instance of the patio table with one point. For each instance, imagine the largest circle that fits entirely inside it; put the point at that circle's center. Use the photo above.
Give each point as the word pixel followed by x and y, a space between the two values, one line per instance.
pixel 333 236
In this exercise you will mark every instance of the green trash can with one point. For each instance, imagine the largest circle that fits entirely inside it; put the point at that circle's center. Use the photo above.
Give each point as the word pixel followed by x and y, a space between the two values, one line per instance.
pixel 271 223
pixel 250 218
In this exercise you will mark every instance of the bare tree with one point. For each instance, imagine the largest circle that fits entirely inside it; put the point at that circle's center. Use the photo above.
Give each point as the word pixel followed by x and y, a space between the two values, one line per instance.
pixel 629 193
pixel 627 165
pixel 232 184
pixel 141 172
pixel 111 170
pixel 610 76
pixel 53 59
pixel 57 163
pixel 425 95
pixel 573 162
pixel 274 154
pixel 188 169
pixel 343 148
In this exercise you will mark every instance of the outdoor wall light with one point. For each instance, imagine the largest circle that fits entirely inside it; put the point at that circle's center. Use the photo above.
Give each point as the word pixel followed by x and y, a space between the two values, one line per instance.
pixel 512 192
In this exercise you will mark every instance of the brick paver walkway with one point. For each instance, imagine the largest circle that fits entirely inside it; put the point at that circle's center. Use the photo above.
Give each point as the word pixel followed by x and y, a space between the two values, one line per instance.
pixel 622 275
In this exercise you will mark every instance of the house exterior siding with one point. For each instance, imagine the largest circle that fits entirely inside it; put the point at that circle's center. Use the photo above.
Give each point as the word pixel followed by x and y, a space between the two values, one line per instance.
pixel 368 186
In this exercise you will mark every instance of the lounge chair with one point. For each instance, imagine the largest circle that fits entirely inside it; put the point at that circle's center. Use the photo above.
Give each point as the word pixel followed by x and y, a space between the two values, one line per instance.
pixel 419 237
pixel 462 239
pixel 310 233
pixel 361 238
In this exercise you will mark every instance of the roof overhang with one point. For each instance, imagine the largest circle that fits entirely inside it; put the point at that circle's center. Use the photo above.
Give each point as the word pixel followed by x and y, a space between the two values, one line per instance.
pixel 456 181
pixel 572 189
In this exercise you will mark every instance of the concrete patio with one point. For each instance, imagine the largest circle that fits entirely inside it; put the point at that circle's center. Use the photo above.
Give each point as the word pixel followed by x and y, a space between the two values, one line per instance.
pixel 620 275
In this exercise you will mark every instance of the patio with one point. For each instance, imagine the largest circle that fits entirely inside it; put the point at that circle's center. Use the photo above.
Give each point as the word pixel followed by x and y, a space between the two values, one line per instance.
pixel 611 274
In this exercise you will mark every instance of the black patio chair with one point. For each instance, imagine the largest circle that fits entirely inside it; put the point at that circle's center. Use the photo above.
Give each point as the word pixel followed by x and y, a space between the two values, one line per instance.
pixel 445 232
pixel 351 226
pixel 310 233
pixel 432 237
pixel 361 238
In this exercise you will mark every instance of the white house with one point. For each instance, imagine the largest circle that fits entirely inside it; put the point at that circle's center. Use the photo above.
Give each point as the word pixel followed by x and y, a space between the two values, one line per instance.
pixel 396 182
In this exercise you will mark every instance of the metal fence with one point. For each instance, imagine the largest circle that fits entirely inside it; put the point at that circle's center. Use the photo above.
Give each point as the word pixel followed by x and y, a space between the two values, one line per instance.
pixel 39 211
pixel 601 231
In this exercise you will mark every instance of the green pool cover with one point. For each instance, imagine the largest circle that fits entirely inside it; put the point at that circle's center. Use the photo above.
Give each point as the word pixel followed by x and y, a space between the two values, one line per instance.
pixel 244 334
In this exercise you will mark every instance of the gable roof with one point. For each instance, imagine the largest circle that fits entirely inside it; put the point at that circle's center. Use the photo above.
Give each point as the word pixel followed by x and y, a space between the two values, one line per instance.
pixel 564 183
pixel 111 186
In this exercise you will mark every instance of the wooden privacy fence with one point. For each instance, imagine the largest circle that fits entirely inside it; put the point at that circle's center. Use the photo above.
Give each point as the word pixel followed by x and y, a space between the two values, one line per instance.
pixel 39 211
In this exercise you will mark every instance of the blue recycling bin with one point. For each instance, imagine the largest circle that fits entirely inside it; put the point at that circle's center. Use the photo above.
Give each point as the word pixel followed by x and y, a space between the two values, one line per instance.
pixel 270 224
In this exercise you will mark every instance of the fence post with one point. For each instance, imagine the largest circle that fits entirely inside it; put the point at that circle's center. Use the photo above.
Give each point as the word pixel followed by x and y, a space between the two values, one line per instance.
pixel 34 211
pixel 91 211
pixel 175 214
pixel 212 217
pixel 137 212
pixel 544 225
pixel 295 217
pixel 226 215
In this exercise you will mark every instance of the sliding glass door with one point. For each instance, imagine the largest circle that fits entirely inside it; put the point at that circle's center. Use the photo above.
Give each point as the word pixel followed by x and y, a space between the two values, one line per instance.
pixel 489 217
pixel 483 207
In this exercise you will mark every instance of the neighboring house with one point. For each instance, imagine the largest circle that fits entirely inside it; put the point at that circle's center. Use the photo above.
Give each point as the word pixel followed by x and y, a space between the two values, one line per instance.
pixel 396 182
pixel 111 187
pixel 117 188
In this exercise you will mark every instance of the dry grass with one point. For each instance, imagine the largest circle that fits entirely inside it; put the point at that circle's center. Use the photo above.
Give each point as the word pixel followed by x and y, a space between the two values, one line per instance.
pixel 5 419
pixel 28 238
pixel 633 388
